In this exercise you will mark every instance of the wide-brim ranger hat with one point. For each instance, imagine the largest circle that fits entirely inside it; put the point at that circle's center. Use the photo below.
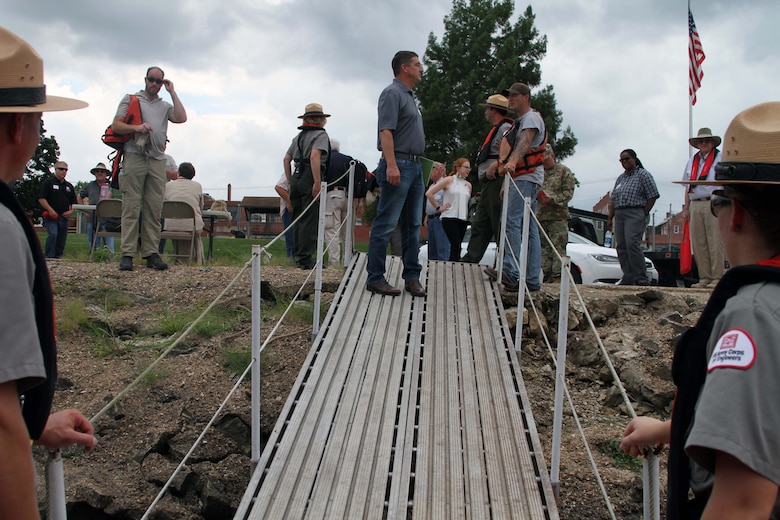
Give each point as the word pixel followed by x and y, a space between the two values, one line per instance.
pixel 21 79
pixel 99 168
pixel 751 148
pixel 496 101
pixel 313 110
pixel 704 133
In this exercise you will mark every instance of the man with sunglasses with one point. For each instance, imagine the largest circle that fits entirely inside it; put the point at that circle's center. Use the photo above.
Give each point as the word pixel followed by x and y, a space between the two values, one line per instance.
pixel 56 196
pixel 142 178
pixel 705 241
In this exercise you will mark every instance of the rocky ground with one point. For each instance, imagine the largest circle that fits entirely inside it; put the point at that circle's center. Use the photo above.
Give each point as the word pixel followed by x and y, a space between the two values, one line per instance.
pixel 111 326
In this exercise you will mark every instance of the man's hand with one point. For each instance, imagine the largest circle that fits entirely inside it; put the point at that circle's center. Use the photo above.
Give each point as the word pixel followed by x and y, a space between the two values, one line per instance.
pixel 543 197
pixel 315 189
pixel 66 428
pixel 144 128
pixel 685 214
pixel 168 85
pixel 393 175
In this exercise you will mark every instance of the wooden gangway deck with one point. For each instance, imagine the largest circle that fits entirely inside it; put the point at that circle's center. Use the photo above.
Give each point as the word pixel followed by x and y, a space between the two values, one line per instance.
pixel 406 408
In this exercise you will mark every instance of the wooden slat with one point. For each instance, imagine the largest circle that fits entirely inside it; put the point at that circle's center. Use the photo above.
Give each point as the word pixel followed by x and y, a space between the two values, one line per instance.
pixel 406 408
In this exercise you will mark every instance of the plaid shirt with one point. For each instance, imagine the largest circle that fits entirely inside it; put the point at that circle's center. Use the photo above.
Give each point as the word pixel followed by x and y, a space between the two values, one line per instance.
pixel 633 189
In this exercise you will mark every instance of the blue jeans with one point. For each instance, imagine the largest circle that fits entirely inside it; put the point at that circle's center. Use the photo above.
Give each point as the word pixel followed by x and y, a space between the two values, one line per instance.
pixel 287 219
pixel 398 205
pixel 56 235
pixel 514 235
pixel 438 243
pixel 107 241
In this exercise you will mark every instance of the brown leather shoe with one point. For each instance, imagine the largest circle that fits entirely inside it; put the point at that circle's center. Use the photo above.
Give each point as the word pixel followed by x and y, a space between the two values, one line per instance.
pixel 383 288
pixel 415 288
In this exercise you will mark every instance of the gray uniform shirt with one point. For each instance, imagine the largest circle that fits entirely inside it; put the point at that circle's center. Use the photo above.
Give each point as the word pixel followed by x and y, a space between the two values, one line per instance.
pixel 21 358
pixel 738 412
pixel 495 144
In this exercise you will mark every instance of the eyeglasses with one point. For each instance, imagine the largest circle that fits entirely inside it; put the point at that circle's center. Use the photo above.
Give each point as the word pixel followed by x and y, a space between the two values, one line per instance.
pixel 159 81
pixel 625 159
pixel 63 169
pixel 717 202
pixel 467 166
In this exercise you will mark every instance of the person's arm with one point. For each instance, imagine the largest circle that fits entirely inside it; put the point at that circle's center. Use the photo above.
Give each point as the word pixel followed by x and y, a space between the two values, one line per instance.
pixel 610 216
pixel 649 205
pixel 66 428
pixel 288 167
pixel 285 196
pixel 643 433
pixel 179 114
pixel 739 492
pixel 388 150
pixel 45 204
pixel 524 141
pixel 17 476
pixel 314 161
pixel 436 188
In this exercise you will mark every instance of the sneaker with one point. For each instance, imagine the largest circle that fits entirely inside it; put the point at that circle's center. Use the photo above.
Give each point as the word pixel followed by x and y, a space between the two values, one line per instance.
pixel 155 262
pixel 126 263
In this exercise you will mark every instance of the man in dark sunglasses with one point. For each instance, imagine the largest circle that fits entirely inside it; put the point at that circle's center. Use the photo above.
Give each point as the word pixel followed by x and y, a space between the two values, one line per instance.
pixel 142 177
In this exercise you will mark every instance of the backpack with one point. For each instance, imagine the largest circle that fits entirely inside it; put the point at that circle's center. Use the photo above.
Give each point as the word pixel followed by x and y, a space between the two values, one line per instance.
pixel 117 142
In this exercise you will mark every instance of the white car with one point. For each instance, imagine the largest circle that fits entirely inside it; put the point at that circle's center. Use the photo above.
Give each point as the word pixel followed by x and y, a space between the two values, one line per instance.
pixel 590 262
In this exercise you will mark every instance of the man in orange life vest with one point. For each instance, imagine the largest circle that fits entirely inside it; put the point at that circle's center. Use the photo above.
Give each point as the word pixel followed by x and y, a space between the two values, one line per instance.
pixel 705 240
pixel 522 157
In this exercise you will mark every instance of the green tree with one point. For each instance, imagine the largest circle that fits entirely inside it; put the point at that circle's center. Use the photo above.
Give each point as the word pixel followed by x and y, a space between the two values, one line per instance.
pixel 38 168
pixel 482 53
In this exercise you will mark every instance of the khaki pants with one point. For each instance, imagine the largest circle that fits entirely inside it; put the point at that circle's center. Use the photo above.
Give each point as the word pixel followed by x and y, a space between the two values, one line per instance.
pixel 705 241
pixel 142 182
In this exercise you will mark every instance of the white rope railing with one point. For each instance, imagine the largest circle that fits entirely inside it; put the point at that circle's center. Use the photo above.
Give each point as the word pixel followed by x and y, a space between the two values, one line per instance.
pixel 651 481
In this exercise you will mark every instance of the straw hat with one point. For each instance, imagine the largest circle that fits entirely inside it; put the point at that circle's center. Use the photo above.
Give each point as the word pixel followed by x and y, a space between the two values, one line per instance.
pixel 313 110
pixel 21 79
pixel 496 101
pixel 704 133
pixel 751 154
pixel 99 168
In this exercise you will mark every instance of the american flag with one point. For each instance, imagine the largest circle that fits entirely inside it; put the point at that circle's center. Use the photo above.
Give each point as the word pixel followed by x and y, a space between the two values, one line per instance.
pixel 695 59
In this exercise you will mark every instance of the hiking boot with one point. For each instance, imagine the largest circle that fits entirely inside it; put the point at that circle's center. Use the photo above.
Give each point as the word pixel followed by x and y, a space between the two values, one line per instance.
pixel 155 262
pixel 383 288
pixel 126 263
pixel 415 288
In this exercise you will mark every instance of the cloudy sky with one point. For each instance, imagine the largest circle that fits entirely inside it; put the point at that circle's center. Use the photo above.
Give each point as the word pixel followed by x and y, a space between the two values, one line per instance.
pixel 245 69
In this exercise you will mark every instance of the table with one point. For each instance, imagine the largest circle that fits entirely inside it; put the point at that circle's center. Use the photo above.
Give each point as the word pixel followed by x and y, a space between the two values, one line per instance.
pixel 211 215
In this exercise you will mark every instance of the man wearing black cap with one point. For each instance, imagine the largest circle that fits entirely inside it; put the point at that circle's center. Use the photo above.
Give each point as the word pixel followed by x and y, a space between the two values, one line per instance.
pixel 522 158
pixel 28 359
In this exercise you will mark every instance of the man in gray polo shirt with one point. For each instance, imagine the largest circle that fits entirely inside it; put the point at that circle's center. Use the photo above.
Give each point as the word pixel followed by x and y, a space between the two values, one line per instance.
pixel 142 179
pixel 399 174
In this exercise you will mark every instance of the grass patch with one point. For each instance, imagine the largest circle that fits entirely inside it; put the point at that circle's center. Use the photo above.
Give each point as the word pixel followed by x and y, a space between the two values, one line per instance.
pixel 237 360
pixel 73 315
pixel 216 322
pixel 620 459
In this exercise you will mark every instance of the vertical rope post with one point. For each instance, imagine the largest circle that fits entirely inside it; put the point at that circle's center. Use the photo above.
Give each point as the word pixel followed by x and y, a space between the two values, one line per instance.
pixel 55 479
pixel 256 321
pixel 522 266
pixel 502 234
pixel 560 375
pixel 315 326
pixel 650 487
pixel 349 232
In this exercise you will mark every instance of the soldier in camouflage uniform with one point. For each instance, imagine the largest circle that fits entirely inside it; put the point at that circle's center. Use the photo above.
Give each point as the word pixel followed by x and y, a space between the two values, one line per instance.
pixel 553 212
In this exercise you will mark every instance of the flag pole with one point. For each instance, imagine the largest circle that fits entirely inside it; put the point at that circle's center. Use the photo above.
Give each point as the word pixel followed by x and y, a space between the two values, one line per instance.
pixel 690 104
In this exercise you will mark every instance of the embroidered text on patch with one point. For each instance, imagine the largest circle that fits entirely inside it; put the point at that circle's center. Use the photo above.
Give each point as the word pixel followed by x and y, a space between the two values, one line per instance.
pixel 735 349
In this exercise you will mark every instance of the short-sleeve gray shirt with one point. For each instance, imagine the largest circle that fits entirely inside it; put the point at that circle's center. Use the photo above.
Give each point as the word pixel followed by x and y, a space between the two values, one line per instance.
pixel 398 112
pixel 156 113
pixel 532 119
pixel 21 358
pixel 737 412
pixel 310 140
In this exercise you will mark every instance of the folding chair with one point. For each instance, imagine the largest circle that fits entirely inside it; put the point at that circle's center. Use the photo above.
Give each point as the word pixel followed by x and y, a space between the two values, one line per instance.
pixel 174 209
pixel 105 208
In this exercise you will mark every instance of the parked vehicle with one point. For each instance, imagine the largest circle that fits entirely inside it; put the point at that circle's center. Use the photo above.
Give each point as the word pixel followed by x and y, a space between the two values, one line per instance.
pixel 590 262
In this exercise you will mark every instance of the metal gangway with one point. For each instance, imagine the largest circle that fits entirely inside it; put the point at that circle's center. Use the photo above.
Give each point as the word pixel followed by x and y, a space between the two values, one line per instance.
pixel 406 408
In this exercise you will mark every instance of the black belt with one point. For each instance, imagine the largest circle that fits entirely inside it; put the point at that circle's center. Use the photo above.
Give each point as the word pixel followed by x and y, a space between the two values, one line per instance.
pixel 340 188
pixel 703 199
pixel 408 156
pixel 630 207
